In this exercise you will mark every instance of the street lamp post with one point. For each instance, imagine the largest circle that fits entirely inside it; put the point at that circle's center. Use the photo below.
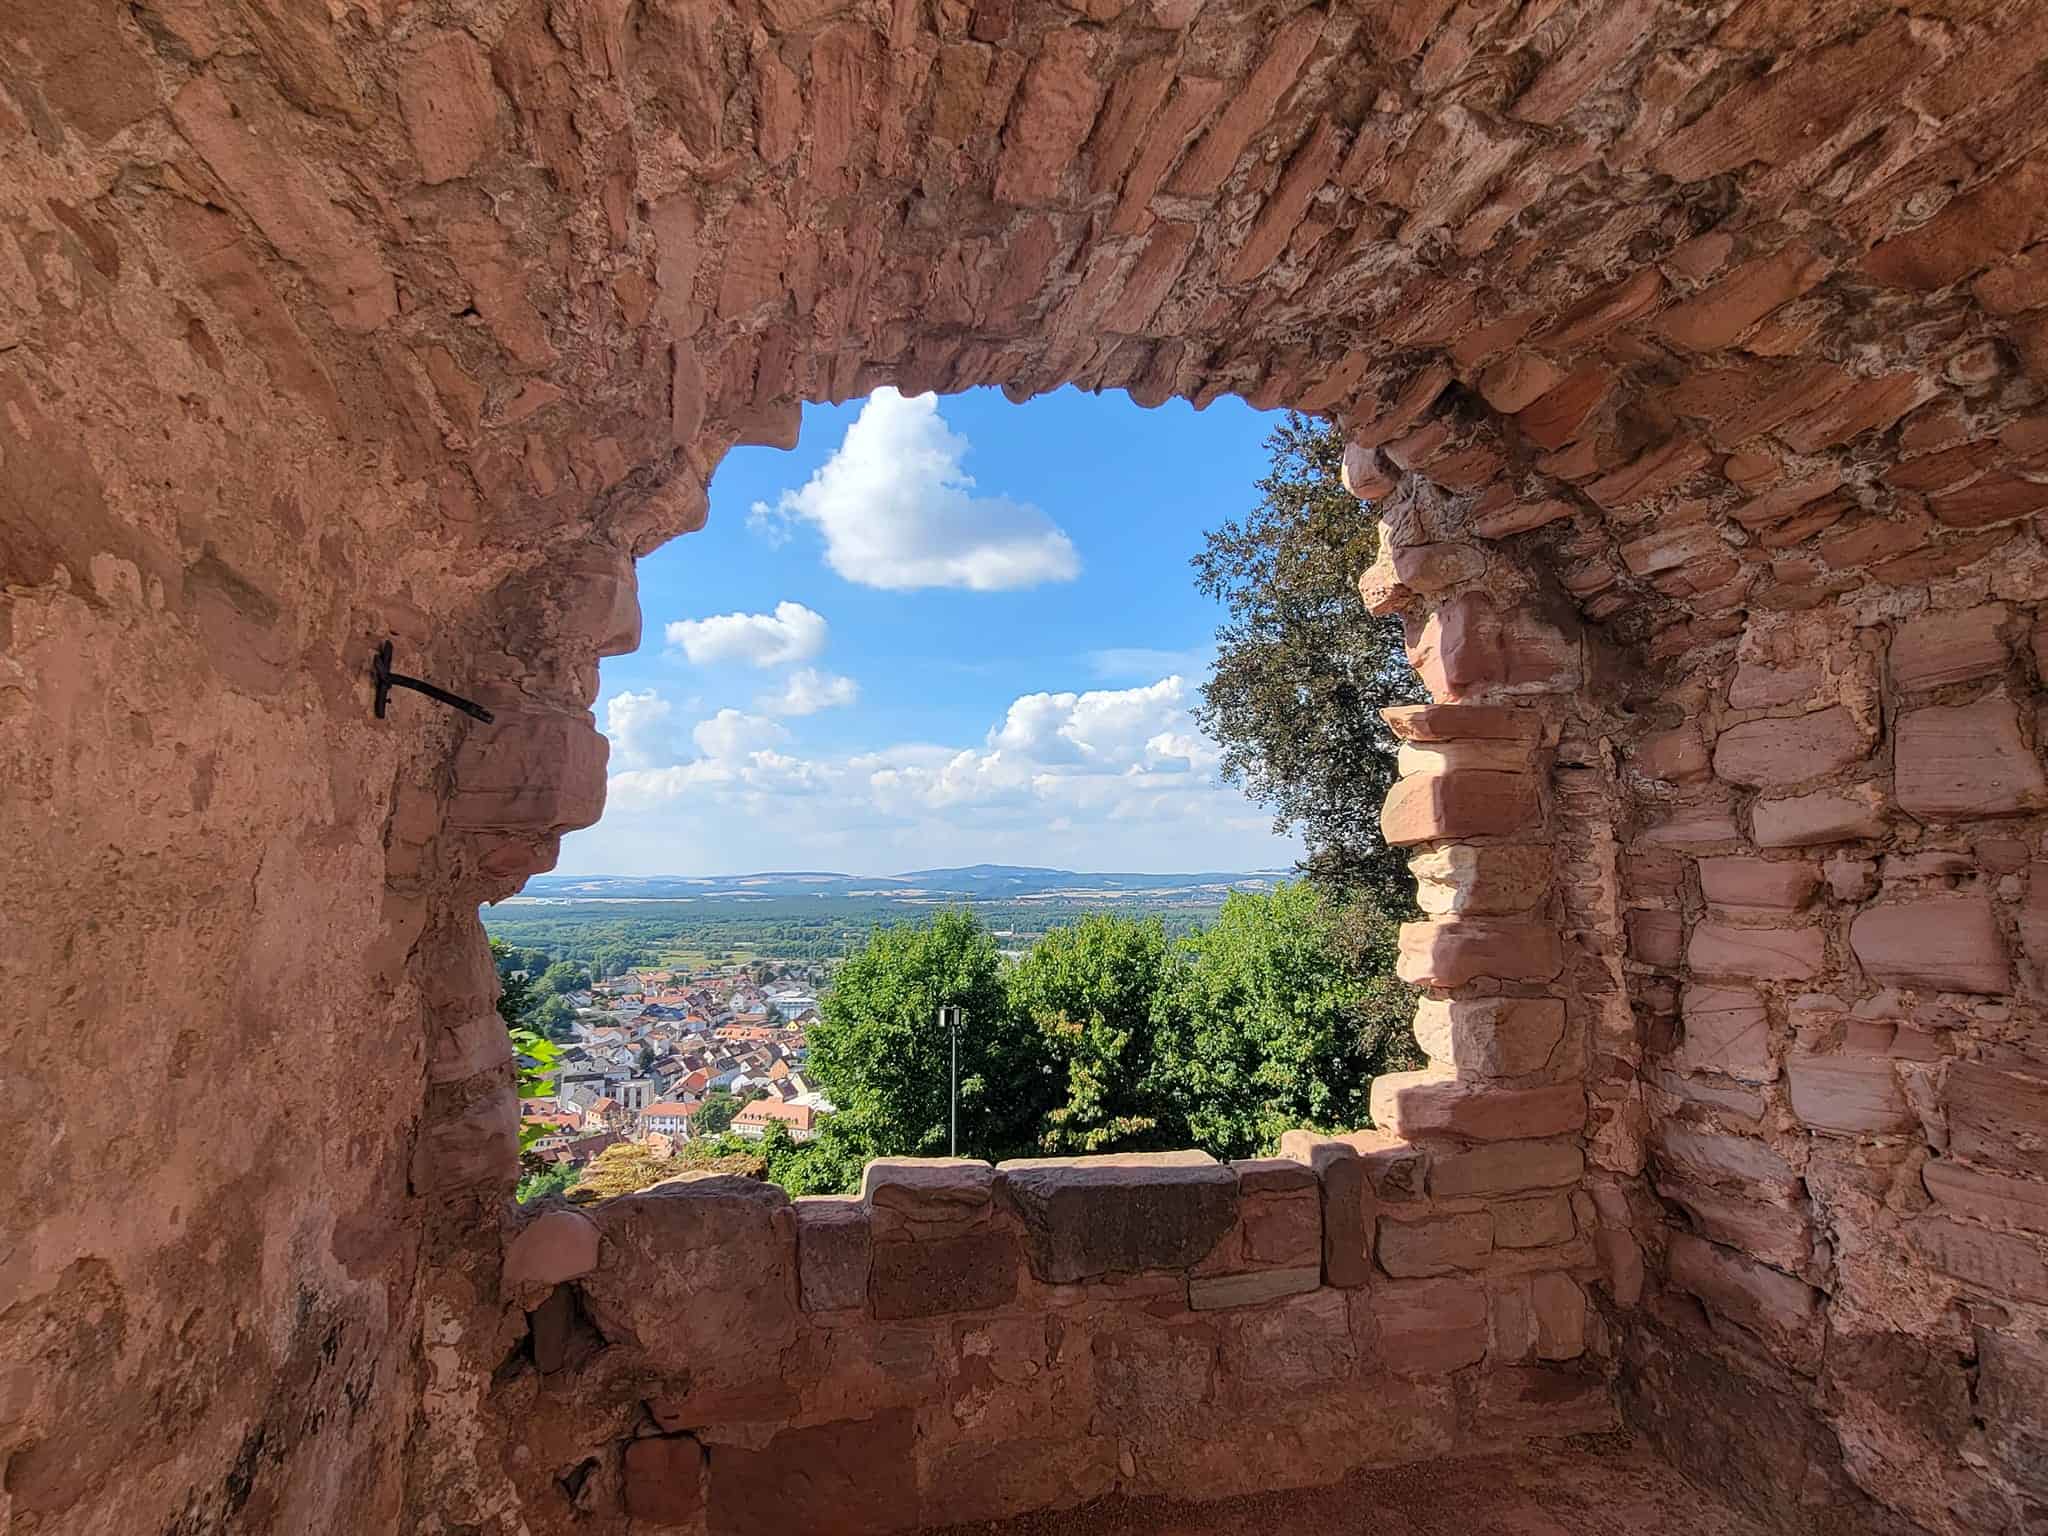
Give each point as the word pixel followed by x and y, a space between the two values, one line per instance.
pixel 949 1019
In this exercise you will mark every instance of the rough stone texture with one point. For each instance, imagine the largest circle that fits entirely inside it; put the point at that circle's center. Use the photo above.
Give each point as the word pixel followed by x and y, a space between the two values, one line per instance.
pixel 1697 354
pixel 1090 1216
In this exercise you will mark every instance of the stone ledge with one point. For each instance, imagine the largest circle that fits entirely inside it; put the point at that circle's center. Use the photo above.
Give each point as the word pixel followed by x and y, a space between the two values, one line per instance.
pixel 1085 1217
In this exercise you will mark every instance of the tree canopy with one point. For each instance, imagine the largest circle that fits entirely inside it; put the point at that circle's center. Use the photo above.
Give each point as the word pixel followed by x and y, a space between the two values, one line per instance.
pixel 1302 670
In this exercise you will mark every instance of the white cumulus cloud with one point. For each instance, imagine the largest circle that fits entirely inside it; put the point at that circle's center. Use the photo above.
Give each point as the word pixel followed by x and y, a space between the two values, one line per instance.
pixel 637 724
pixel 731 734
pixel 897 510
pixel 791 633
pixel 807 690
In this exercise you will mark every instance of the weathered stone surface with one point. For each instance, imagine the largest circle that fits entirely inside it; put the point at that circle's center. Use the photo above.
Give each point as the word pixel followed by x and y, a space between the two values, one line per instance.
pixel 1463 722
pixel 1438 1245
pixel 1350 1206
pixel 1453 952
pixel 964 1272
pixel 1207 1293
pixel 1726 1161
pixel 1467 803
pixel 1854 1095
pixel 1993 1198
pixel 1726 1030
pixel 1488 880
pixel 1999 1264
pixel 1775 753
pixel 858 1474
pixel 1825 816
pixel 1536 1221
pixel 664 1479
pixel 1778 1235
pixel 1783 1312
pixel 1560 1317
pixel 1758 885
pixel 929 1189
pixel 1764 954
pixel 1942 648
pixel 1490 1036
pixel 833 1244
pixel 448 103
pixel 1947 943
pixel 1967 760
pixel 1430 1327
pixel 1998 1119
pixel 1505 1167
pixel 1090 1216
pixel 1434 1103
pixel 553 1247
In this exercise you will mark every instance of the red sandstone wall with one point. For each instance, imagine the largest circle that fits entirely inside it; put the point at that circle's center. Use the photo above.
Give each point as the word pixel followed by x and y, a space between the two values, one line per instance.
pixel 1838 950
pixel 962 1343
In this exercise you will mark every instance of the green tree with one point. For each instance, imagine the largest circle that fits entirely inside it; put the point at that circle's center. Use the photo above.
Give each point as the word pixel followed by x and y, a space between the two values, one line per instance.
pixel 881 1056
pixel 514 992
pixel 1093 992
pixel 1281 1016
pixel 553 1017
pixel 561 978
pixel 1302 670
pixel 715 1118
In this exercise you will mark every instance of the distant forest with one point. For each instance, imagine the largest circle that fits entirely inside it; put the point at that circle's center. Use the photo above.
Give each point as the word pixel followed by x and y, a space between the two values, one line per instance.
pixel 801 928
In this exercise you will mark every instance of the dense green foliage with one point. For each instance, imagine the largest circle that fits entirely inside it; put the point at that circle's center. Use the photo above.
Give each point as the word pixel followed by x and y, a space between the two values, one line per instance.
pixel 1109 1037
pixel 1280 1015
pixel 1094 994
pixel 1302 670
pixel 886 1064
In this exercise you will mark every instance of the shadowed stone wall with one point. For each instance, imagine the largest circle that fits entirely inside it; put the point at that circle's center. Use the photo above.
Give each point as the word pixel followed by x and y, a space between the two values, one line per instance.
pixel 1692 353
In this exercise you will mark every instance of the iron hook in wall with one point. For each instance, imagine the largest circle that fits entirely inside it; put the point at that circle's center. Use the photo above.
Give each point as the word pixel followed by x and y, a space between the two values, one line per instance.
pixel 386 680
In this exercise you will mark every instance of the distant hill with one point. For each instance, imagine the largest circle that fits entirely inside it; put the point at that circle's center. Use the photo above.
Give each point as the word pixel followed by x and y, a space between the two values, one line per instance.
pixel 922 887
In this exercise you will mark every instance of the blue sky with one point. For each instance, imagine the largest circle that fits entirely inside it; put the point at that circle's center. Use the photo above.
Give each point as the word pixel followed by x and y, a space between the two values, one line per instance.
pixel 939 632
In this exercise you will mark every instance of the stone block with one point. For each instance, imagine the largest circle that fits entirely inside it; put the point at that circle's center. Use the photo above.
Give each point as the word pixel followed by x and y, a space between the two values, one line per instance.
pixel 1776 753
pixel 1725 1161
pixel 2011 1400
pixel 1752 885
pixel 1430 1327
pixel 1504 1167
pixel 1852 1095
pixel 1467 803
pixel 1782 1312
pixel 1656 936
pixel 1560 1317
pixel 1432 1103
pixel 1991 1198
pixel 1966 760
pixel 1349 1203
pixel 1953 646
pixel 1085 1217
pixel 555 1246
pixel 1762 954
pixel 1826 816
pixel 478 1144
pixel 1943 943
pixel 700 1273
pixel 1452 952
pixel 1490 1036
pixel 1280 1213
pixel 1676 756
pixel 1621 1264
pixel 1463 722
pixel 1481 881
pixel 664 1479
pixel 971 1271
pixel 1778 1235
pixel 1507 755
pixel 2002 1264
pixel 857 1475
pixel 1552 1399
pixel 1710 1091
pixel 912 1192
pixel 1701 825
pixel 1434 1245
pixel 1726 1030
pixel 833 1248
pixel 534 771
pixel 1998 1118
pixel 1538 1221
pixel 1211 1292
pixel 1467 644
